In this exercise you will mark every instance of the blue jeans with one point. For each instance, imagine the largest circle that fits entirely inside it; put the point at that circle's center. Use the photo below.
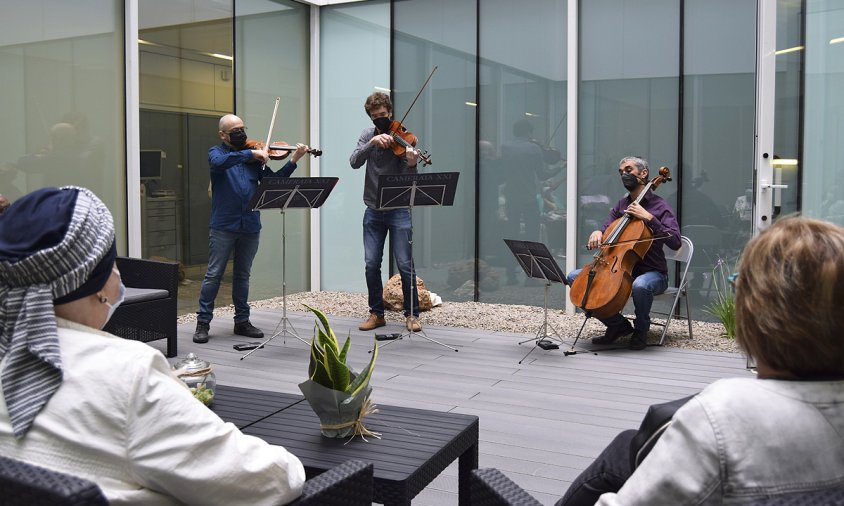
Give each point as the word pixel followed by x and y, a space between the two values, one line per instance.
pixel 221 244
pixel 376 224
pixel 645 286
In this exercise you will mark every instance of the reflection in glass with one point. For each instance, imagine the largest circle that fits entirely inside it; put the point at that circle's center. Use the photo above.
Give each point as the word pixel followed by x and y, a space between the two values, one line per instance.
pixel 522 141
pixel 62 82
pixel 718 109
pixel 444 122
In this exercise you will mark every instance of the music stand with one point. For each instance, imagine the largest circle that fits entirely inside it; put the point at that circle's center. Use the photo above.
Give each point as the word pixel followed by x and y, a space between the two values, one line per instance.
pixel 537 262
pixel 406 191
pixel 284 193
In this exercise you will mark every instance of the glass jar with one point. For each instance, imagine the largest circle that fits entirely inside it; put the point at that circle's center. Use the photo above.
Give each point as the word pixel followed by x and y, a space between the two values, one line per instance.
pixel 198 376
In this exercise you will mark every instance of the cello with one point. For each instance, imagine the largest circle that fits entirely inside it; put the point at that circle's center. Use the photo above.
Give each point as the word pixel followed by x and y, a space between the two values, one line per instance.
pixel 603 287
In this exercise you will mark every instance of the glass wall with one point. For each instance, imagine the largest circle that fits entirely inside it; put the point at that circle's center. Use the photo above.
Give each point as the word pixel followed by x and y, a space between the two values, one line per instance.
pixel 441 33
pixel 823 134
pixel 186 82
pixel 354 62
pixel 61 72
pixel 717 135
pixel 272 60
pixel 628 103
pixel 522 141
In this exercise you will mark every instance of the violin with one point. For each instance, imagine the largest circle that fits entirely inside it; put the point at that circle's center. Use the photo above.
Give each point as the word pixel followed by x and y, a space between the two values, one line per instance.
pixel 403 139
pixel 603 287
pixel 279 150
pixel 549 155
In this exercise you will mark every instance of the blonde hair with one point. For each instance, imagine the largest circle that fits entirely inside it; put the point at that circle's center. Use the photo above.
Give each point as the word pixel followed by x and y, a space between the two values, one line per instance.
pixel 789 293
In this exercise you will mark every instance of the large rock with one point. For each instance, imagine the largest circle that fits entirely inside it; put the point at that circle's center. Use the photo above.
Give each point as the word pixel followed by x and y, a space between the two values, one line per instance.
pixel 394 300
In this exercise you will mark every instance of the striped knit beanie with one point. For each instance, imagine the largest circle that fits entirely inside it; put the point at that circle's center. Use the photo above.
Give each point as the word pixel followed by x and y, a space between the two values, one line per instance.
pixel 56 245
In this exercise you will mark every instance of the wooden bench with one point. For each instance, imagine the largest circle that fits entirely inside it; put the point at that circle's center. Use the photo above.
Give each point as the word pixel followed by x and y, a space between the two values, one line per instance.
pixel 148 312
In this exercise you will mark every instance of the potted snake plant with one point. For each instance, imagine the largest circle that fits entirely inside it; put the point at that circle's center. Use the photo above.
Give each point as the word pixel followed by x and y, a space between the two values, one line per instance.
pixel 337 394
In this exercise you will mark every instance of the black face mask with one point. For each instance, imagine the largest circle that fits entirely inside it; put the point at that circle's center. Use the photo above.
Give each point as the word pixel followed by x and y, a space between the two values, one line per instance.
pixel 382 124
pixel 237 137
pixel 629 181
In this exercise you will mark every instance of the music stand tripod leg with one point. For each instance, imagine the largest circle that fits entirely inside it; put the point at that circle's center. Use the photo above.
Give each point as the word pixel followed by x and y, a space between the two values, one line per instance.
pixel 284 322
pixel 542 332
pixel 572 350
pixel 410 332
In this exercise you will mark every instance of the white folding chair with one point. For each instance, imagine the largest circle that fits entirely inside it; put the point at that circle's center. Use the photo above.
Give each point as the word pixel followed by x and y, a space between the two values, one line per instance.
pixel 683 256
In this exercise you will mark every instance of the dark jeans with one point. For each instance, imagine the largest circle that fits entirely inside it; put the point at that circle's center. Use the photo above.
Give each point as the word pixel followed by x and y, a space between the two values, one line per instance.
pixel 221 244
pixel 376 224
pixel 645 286
pixel 606 474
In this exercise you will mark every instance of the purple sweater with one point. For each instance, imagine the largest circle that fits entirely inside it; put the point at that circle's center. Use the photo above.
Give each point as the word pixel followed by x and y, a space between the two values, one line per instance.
pixel 664 222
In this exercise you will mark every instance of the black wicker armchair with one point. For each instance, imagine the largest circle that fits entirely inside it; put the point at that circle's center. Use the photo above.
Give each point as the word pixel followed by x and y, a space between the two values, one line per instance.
pixel 491 488
pixel 149 311
pixel 24 484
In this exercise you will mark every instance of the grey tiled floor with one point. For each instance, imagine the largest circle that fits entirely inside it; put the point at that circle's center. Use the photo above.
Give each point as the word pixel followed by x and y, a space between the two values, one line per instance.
pixel 541 422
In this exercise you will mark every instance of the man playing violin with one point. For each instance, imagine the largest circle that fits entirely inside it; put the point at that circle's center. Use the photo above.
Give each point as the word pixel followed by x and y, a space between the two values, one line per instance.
pixel 234 228
pixel 650 275
pixel 374 148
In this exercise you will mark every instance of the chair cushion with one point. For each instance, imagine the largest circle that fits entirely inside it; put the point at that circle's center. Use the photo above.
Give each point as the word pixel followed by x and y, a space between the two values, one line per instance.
pixel 135 295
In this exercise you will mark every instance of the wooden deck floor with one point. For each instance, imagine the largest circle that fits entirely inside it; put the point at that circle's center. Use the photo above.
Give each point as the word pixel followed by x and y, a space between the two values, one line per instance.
pixel 541 422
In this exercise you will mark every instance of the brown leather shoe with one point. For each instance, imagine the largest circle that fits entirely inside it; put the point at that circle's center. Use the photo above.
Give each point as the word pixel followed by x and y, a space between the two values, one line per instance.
pixel 413 324
pixel 373 322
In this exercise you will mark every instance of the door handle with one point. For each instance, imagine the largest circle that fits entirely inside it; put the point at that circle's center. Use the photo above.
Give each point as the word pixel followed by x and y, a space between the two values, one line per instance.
pixel 765 185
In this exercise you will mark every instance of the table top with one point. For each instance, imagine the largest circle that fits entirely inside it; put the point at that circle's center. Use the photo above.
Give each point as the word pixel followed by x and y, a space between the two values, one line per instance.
pixel 245 406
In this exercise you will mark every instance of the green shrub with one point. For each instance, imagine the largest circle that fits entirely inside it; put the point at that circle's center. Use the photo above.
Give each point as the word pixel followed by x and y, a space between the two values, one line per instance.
pixel 724 305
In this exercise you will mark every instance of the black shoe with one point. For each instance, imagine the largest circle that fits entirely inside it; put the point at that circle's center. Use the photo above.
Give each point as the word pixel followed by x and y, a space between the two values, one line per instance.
pixel 638 341
pixel 613 333
pixel 248 330
pixel 201 334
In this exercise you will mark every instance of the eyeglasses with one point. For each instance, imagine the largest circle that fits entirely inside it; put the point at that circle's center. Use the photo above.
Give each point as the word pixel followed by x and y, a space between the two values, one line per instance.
pixel 235 129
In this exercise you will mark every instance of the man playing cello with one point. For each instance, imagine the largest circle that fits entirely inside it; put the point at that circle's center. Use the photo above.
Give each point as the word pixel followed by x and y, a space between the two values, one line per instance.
pixel 650 275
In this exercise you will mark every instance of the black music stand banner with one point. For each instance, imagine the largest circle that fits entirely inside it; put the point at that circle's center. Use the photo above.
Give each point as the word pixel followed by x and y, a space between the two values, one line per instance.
pixel 285 193
pixel 406 191
pixel 397 191
pixel 536 260
pixel 297 192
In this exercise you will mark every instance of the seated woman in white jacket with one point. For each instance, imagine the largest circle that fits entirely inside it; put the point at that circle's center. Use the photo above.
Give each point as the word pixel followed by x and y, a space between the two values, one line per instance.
pixel 743 439
pixel 81 401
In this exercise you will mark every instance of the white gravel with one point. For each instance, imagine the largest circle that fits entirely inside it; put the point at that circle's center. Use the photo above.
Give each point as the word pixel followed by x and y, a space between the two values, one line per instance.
pixel 497 317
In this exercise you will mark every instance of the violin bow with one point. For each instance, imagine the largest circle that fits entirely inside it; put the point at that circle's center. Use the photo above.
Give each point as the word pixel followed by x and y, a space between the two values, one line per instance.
pixel 419 93
pixel 654 238
pixel 554 133
pixel 270 133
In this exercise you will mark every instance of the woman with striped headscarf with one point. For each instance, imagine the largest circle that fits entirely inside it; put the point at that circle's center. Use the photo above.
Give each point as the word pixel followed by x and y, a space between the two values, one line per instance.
pixel 78 400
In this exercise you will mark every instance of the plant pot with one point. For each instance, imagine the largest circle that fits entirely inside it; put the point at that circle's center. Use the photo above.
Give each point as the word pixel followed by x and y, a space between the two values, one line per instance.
pixel 339 413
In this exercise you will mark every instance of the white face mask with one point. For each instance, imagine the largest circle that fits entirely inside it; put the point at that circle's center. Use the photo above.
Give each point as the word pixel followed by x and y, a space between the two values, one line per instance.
pixel 120 298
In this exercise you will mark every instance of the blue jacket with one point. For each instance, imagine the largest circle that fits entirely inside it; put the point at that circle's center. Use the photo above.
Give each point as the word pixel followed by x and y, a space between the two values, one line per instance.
pixel 234 180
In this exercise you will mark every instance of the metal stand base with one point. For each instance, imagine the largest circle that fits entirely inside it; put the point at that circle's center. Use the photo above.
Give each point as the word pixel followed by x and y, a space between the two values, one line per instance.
pixel 421 333
pixel 542 339
pixel 284 323
pixel 411 333
pixel 572 350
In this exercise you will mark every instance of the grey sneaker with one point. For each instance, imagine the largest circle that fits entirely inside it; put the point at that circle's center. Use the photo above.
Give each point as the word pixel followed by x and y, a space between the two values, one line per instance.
pixel 201 334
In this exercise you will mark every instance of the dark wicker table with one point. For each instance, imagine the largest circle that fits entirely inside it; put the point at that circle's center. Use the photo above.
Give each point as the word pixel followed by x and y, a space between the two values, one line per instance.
pixel 416 445
pixel 245 406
